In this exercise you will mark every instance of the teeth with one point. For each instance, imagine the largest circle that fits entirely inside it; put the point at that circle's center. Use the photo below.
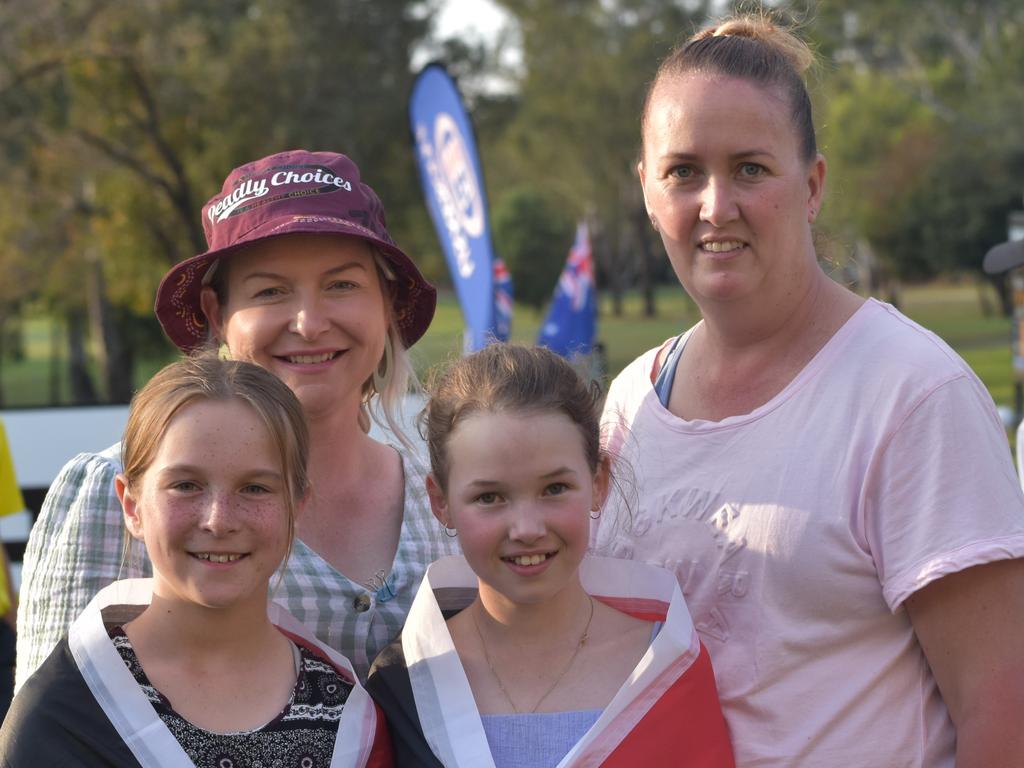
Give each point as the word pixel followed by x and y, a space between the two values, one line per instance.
pixel 722 246
pixel 215 558
pixel 529 559
pixel 308 359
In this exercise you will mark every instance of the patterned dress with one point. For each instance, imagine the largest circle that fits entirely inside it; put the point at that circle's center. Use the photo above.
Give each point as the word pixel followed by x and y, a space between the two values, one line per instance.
pixel 302 734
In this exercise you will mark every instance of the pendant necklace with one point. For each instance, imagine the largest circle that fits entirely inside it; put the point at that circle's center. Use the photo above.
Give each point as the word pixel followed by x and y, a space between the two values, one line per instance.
pixel 551 688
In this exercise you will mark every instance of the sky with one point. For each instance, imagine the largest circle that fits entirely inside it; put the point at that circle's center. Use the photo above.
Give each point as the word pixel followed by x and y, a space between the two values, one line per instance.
pixel 475 21
pixel 470 19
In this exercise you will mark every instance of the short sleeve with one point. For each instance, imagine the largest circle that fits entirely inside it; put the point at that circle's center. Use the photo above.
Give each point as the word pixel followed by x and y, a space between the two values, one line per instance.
pixel 76 547
pixel 941 494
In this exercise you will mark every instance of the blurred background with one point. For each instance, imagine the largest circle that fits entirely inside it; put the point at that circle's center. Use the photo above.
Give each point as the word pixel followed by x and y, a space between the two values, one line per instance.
pixel 120 119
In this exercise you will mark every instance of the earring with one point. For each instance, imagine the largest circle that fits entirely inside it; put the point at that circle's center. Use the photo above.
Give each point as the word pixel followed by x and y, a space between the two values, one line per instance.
pixel 597 510
pixel 446 530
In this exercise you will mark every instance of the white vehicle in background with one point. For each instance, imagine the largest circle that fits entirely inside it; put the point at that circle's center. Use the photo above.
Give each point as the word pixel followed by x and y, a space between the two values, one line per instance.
pixel 41 441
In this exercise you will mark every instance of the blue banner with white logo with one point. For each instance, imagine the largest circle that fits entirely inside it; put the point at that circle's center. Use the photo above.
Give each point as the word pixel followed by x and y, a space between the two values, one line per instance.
pixel 571 324
pixel 453 185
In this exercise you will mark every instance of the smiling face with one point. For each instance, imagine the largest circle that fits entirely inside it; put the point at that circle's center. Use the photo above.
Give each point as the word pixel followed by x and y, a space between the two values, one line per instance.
pixel 519 492
pixel 211 507
pixel 724 180
pixel 308 308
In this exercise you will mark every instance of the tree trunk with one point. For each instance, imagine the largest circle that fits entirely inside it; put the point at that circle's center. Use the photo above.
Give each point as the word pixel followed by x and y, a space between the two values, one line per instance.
pixel 641 225
pixel 83 392
pixel 115 358
pixel 984 300
pixel 54 382
pixel 605 255
pixel 894 292
pixel 3 334
pixel 1004 292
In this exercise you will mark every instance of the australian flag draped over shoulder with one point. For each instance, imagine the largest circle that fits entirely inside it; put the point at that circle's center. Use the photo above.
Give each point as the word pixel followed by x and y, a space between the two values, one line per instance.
pixel 571 324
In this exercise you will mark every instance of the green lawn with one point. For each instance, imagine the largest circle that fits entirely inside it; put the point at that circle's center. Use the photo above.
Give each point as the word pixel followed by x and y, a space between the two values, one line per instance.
pixel 951 310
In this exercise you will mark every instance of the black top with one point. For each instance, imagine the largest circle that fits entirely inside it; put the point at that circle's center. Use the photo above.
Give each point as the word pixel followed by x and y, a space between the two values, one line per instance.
pixel 55 721
pixel 389 685
pixel 301 734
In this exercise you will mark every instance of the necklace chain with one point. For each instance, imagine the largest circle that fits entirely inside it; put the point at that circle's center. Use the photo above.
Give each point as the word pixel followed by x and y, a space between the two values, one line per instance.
pixel 551 688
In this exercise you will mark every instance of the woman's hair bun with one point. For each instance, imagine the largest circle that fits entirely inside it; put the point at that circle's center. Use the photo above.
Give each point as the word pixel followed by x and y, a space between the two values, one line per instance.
pixel 760 27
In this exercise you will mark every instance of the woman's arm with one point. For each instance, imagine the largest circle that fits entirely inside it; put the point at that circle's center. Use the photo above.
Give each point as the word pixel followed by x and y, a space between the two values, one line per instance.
pixel 971 627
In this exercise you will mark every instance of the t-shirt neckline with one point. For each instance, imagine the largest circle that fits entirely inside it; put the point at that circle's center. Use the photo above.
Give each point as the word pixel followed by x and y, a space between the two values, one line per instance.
pixel 833 347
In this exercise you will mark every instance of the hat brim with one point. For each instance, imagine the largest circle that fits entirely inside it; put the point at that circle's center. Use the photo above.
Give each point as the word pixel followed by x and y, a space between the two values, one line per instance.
pixel 1003 257
pixel 178 305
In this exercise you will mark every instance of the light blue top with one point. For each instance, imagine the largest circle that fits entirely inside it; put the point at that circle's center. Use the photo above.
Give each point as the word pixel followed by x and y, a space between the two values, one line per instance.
pixel 538 739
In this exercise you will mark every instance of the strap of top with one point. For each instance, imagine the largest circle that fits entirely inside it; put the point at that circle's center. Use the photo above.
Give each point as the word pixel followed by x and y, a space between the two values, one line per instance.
pixel 667 375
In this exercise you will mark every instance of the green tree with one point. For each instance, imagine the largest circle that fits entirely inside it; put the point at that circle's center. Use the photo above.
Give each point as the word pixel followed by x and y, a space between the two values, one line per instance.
pixel 126 117
pixel 575 134
pixel 533 237
pixel 924 103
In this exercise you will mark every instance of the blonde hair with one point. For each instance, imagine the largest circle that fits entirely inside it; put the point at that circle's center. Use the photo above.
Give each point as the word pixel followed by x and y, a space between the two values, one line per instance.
pixel 750 47
pixel 394 377
pixel 206 377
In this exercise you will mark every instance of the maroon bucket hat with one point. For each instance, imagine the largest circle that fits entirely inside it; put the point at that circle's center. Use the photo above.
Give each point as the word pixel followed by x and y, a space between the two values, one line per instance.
pixel 296 191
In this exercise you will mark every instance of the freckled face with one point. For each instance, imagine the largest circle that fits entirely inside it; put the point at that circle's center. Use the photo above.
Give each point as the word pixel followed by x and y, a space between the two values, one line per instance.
pixel 520 493
pixel 308 308
pixel 211 507
pixel 733 199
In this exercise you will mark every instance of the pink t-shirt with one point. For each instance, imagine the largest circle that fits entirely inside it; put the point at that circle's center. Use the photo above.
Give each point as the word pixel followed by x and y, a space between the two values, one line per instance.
pixel 798 530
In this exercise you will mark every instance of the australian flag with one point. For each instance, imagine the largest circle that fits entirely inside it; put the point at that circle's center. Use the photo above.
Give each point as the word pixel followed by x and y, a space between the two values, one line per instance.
pixel 571 323
pixel 502 301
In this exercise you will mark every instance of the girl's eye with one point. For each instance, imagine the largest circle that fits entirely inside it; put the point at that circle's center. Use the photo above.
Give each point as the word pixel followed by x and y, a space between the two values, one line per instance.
pixel 342 285
pixel 185 486
pixel 751 170
pixel 487 498
pixel 256 489
pixel 556 489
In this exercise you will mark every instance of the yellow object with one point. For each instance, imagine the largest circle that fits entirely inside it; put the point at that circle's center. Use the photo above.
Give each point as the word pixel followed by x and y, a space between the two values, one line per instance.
pixel 10 502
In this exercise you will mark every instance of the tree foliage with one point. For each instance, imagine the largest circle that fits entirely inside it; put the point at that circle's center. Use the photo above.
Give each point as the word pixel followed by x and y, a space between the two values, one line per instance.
pixel 923 104
pixel 125 117
pixel 575 135
pixel 533 236
pixel 120 119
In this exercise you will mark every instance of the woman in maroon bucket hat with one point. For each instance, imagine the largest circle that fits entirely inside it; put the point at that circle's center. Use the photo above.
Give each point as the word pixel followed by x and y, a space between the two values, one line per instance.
pixel 302 278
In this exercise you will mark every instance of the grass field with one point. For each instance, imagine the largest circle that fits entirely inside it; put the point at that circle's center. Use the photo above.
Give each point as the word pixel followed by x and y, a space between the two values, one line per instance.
pixel 951 310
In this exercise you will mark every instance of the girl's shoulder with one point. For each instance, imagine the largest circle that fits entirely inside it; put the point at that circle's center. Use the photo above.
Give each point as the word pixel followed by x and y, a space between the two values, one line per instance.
pixel 618 631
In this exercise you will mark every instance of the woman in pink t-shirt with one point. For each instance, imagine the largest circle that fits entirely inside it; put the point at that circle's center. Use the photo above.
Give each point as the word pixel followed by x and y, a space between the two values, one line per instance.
pixel 827 479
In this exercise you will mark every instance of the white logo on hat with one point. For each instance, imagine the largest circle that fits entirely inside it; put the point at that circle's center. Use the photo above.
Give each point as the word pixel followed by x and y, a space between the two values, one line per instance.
pixel 249 190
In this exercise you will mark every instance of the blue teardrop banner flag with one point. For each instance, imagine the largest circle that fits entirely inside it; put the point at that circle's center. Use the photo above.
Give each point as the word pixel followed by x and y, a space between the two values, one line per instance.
pixel 452 180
